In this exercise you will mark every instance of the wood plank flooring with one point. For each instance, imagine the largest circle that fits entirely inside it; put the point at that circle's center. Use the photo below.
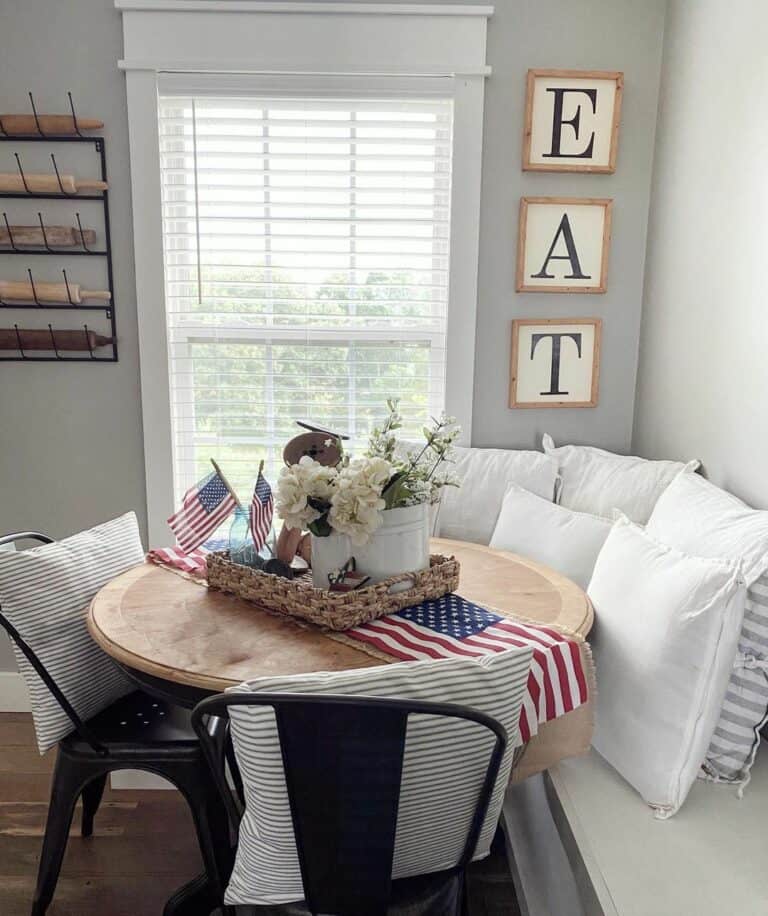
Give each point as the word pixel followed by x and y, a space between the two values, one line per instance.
pixel 143 846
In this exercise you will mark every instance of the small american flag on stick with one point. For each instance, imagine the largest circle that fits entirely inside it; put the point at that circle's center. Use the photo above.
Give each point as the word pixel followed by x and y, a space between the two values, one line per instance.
pixel 262 507
pixel 204 507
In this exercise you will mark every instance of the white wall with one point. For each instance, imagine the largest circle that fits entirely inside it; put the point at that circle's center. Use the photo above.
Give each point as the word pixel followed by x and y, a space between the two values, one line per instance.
pixel 704 347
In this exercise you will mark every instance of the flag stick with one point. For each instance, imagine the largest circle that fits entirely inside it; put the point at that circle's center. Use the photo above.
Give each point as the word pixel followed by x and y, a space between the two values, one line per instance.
pixel 261 468
pixel 226 483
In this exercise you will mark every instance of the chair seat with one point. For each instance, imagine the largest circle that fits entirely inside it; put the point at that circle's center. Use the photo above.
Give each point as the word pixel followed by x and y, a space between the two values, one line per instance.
pixel 438 894
pixel 139 720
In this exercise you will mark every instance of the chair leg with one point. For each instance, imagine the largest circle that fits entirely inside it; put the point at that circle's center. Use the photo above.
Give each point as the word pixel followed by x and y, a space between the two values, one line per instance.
pixel 211 824
pixel 91 800
pixel 67 784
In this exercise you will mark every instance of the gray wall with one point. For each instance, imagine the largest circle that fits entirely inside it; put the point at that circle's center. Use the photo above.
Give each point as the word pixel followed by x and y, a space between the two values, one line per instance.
pixel 578 34
pixel 70 436
pixel 703 365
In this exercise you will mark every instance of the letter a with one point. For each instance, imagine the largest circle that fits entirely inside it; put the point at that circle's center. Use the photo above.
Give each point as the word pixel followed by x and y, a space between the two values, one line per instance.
pixel 572 256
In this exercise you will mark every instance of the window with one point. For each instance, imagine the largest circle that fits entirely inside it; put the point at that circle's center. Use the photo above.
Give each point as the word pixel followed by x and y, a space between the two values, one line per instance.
pixel 306 247
pixel 306 212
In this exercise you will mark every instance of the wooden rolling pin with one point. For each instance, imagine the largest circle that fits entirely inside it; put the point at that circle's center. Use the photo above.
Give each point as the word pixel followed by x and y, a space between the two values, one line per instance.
pixel 57 236
pixel 48 184
pixel 60 125
pixel 21 291
pixel 41 340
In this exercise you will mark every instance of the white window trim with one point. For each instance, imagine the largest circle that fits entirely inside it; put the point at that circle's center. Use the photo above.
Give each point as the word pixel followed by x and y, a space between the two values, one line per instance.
pixel 328 39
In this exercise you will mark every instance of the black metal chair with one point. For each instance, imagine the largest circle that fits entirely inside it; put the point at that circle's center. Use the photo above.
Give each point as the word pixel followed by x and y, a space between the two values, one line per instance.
pixel 344 810
pixel 136 732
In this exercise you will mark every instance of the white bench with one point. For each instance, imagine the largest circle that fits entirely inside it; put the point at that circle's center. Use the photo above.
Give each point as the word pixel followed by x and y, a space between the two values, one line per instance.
pixel 584 844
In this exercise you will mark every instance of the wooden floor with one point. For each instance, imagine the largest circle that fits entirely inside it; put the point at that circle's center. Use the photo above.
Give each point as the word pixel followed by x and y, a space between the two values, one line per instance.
pixel 142 849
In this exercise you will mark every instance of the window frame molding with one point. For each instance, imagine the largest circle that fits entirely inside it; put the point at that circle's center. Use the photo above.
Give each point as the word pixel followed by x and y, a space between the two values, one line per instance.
pixel 407 41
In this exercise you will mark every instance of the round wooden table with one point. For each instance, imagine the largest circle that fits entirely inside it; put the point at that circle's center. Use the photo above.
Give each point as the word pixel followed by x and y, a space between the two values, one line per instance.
pixel 183 641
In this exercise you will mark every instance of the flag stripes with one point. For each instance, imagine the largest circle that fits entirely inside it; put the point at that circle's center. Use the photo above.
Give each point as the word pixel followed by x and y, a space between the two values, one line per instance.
pixel 262 507
pixel 193 563
pixel 556 685
pixel 205 506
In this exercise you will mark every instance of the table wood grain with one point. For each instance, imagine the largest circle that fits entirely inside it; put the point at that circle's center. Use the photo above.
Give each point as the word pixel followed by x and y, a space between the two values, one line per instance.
pixel 164 625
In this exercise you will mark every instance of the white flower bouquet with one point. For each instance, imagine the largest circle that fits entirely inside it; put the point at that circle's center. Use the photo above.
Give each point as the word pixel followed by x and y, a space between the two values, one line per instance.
pixel 350 498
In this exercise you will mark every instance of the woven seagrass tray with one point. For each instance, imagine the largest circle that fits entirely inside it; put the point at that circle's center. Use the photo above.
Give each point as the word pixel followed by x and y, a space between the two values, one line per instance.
pixel 334 610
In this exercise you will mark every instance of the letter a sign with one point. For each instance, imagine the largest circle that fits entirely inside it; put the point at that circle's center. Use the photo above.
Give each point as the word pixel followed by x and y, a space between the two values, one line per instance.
pixel 572 120
pixel 563 245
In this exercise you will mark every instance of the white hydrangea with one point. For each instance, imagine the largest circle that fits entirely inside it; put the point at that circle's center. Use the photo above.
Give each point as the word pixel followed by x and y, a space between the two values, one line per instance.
pixel 356 504
pixel 297 485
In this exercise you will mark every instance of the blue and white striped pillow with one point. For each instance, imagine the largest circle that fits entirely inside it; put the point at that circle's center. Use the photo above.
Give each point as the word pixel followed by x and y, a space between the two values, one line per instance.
pixel 45 593
pixel 698 517
pixel 745 708
pixel 445 761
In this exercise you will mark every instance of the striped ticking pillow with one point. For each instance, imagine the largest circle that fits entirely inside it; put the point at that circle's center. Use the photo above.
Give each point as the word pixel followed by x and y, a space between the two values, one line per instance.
pixel 445 762
pixel 45 593
pixel 745 708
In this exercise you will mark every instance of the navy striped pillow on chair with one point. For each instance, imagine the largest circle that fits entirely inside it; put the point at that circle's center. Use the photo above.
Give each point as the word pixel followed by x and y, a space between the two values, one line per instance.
pixel 45 593
pixel 444 764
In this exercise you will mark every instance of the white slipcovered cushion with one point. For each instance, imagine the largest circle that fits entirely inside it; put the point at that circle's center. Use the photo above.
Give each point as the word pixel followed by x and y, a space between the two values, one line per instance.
pixel 567 541
pixel 595 481
pixel 701 519
pixel 469 512
pixel 444 763
pixel 45 593
pixel 665 635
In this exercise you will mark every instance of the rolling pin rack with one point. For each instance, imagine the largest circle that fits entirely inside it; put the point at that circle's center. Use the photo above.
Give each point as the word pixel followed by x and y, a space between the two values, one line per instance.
pixel 46 250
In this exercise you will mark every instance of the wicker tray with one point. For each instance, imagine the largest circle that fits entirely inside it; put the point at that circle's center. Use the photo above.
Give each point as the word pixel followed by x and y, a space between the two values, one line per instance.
pixel 334 610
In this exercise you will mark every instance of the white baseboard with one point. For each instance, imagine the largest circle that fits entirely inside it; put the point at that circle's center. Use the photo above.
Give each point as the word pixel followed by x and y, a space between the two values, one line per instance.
pixel 13 692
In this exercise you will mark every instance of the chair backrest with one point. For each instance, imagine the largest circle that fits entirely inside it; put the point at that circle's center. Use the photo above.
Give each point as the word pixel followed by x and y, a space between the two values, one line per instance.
pixel 343 761
pixel 31 656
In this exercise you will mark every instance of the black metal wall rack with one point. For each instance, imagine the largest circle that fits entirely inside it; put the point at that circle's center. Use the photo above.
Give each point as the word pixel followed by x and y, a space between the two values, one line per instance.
pixel 48 250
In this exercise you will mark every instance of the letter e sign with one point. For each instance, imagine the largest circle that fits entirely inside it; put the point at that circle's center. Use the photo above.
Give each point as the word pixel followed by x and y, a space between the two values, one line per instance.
pixel 555 362
pixel 563 244
pixel 572 120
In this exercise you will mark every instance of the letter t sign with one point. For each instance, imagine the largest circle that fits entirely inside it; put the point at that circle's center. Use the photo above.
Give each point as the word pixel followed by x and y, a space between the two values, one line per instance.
pixel 572 120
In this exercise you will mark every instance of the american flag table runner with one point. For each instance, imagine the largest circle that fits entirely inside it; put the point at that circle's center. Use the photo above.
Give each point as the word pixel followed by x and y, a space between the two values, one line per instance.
pixel 192 563
pixel 452 626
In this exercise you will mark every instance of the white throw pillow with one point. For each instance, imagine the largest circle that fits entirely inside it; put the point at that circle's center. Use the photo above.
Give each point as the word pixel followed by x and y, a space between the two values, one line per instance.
pixel 593 480
pixel 701 519
pixel 45 593
pixel 567 541
pixel 444 763
pixel 665 636
pixel 469 512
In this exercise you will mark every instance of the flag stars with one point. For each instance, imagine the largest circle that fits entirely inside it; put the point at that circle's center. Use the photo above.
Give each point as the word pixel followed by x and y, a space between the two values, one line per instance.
pixel 451 616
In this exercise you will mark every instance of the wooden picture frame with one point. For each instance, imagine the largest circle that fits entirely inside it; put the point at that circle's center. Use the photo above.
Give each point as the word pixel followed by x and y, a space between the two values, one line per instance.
pixel 593 105
pixel 586 378
pixel 562 213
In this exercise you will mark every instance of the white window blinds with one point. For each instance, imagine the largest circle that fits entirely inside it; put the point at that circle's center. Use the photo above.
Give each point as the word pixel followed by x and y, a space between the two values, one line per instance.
pixel 306 265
